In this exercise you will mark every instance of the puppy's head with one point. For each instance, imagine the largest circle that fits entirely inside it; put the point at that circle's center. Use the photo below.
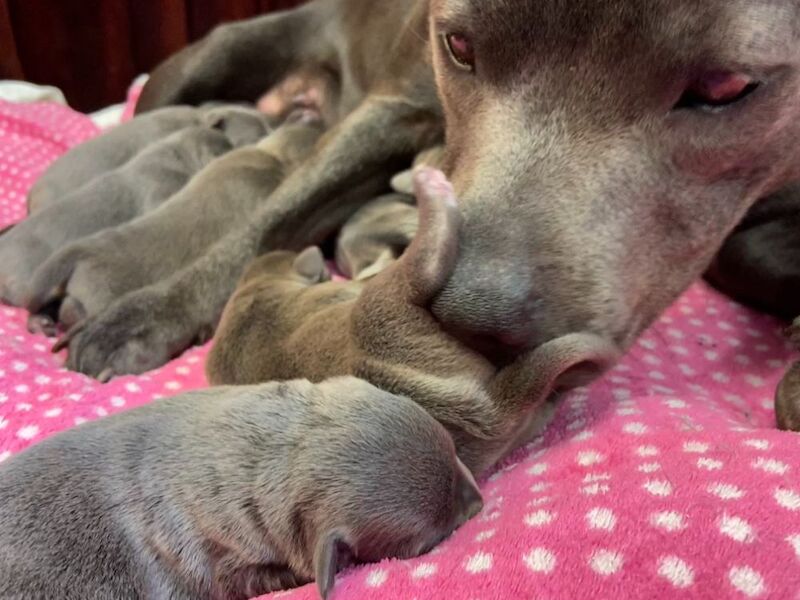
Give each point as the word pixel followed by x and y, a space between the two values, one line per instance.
pixel 307 267
pixel 241 125
pixel 602 151
pixel 387 480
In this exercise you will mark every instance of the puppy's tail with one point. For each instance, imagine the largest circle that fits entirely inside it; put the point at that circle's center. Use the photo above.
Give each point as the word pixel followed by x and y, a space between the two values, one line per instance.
pixel 430 259
pixel 50 279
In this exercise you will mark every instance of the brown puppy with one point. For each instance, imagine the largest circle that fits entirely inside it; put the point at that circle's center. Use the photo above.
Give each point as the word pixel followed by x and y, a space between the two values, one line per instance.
pixel 281 324
pixel 229 493
pixel 99 268
pixel 787 399
pixel 139 186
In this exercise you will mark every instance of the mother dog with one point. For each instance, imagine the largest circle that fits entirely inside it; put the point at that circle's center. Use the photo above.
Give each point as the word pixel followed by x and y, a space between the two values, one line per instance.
pixel 605 152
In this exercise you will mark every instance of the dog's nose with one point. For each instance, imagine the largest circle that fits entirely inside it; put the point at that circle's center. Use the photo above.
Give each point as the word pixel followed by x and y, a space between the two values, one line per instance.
pixel 491 306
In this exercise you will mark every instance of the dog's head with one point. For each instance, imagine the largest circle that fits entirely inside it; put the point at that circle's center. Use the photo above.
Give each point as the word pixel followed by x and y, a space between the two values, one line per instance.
pixel 602 150
pixel 386 481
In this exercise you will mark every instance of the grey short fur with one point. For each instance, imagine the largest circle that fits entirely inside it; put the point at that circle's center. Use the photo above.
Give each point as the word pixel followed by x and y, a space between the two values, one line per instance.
pixel 91 273
pixel 229 494
pixel 144 182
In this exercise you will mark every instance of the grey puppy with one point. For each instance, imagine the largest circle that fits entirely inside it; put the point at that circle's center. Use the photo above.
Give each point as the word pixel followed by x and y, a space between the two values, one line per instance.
pixel 118 196
pixel 229 493
pixel 100 268
pixel 380 231
pixel 376 236
pixel 108 152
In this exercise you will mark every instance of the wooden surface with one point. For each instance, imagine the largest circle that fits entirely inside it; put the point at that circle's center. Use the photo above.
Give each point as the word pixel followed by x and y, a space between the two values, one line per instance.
pixel 93 49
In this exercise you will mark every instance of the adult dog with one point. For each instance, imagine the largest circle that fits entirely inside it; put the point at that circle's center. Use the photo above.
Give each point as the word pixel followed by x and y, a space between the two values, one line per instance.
pixel 605 152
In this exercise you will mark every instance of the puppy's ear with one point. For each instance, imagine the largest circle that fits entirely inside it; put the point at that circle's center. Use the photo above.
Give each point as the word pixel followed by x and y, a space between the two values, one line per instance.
pixel 332 554
pixel 310 264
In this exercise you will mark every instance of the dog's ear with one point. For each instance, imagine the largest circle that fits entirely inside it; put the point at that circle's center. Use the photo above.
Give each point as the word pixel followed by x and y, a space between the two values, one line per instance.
pixel 310 264
pixel 332 554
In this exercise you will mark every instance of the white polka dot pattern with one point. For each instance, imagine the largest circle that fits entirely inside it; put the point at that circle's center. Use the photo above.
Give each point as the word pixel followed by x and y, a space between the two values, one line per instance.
pixel 668 473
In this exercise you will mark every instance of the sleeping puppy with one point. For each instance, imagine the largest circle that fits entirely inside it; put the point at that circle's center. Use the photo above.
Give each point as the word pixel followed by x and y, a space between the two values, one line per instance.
pixel 376 236
pixel 219 199
pixel 139 186
pixel 108 152
pixel 787 400
pixel 379 233
pixel 229 493
pixel 282 324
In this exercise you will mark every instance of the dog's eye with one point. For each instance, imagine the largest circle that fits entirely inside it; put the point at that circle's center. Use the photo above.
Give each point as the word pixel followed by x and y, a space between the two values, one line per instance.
pixel 459 47
pixel 717 89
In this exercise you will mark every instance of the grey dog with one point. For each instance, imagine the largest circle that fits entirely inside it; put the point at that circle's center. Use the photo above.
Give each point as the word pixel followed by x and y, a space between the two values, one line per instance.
pixel 603 153
pixel 229 493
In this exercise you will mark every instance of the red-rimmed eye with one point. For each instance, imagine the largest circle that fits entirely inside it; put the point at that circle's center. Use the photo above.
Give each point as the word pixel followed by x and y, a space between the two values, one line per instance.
pixel 460 49
pixel 717 89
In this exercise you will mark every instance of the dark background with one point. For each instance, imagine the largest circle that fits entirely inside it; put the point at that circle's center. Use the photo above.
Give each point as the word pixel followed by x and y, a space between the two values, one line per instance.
pixel 93 49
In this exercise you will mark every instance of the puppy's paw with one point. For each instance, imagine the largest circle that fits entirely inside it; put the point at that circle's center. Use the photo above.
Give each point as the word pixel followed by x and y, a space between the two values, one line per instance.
pixel 139 332
pixel 86 277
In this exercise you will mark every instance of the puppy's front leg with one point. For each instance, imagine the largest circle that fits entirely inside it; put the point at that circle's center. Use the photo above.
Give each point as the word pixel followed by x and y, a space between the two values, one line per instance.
pixel 353 163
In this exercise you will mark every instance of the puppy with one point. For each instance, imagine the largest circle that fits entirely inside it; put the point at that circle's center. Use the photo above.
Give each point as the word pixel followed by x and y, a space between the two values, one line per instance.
pixel 379 233
pixel 229 493
pixel 108 152
pixel 282 324
pixel 376 236
pixel 787 399
pixel 118 196
pixel 100 269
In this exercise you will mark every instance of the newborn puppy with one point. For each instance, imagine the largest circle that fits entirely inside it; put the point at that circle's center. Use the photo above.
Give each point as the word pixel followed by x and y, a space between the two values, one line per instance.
pixel 282 324
pixel 376 236
pixel 119 196
pixel 787 399
pixel 229 493
pixel 107 152
pixel 92 272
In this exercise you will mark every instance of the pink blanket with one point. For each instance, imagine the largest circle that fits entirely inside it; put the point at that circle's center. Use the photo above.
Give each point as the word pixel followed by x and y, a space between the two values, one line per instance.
pixel 664 480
